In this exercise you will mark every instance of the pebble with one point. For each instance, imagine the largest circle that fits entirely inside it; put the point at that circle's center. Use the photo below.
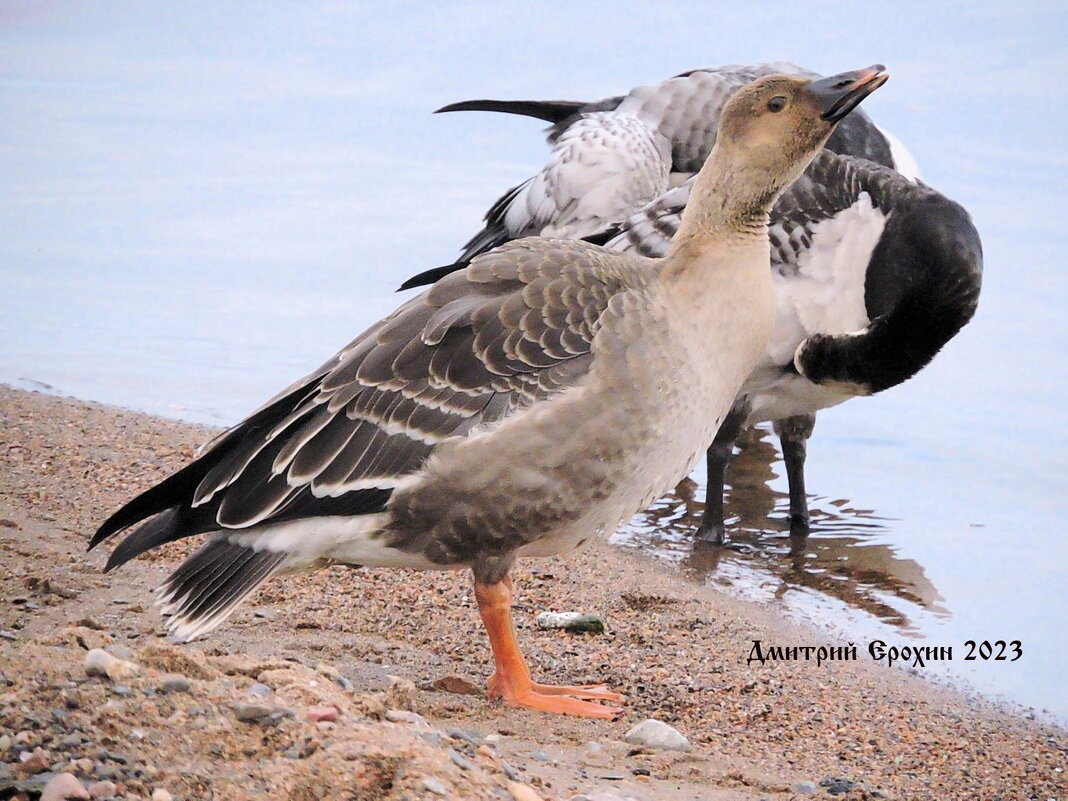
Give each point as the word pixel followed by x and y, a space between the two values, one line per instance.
pixel 110 772
pixel 413 719
pixel 459 761
pixel 261 713
pixel 5 742
pixel 572 621
pixel 159 794
pixel 104 789
pixel 435 786
pixel 99 662
pixel 523 792
pixel 176 684
pixel 657 734
pixel 805 788
pixel 33 762
pixel 317 714
pixel 467 735
pixel 836 785
pixel 259 690
pixel 64 787
pixel 541 756
pixel 71 741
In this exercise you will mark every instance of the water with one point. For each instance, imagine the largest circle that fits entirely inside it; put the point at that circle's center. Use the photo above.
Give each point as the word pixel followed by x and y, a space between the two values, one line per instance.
pixel 199 207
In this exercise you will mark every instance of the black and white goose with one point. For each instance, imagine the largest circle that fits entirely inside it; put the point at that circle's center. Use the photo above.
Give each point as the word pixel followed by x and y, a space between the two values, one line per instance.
pixel 873 272
pixel 517 408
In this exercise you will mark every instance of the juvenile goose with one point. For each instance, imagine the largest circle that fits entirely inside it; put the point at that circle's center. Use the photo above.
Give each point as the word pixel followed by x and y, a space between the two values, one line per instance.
pixel 837 263
pixel 516 408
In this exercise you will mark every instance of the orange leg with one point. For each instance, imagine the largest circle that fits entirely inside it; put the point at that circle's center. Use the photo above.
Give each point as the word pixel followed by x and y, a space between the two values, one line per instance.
pixel 511 680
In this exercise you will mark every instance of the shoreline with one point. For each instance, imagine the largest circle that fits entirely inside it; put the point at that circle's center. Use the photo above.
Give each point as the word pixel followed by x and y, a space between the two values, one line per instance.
pixel 676 649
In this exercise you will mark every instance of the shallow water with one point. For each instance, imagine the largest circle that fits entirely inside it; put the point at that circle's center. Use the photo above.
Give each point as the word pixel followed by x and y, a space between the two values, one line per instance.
pixel 200 208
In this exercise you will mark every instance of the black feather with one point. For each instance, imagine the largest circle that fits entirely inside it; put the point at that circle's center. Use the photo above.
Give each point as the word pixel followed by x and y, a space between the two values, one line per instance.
pixel 432 276
pixel 553 111
pixel 178 489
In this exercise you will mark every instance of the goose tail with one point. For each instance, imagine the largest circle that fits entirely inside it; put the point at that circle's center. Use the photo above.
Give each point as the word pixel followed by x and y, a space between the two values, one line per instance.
pixel 554 111
pixel 208 586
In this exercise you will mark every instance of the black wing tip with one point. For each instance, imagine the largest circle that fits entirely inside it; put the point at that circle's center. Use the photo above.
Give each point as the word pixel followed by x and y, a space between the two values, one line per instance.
pixel 554 111
pixel 431 276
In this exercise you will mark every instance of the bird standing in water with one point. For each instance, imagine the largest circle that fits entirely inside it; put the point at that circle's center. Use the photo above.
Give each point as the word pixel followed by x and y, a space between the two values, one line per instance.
pixel 516 408
pixel 874 272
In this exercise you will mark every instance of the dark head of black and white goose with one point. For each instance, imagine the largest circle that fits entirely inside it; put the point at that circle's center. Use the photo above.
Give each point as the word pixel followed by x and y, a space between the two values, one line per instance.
pixel 921 287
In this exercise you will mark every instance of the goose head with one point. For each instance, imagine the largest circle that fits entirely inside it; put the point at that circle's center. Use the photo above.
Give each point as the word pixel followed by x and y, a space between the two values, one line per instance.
pixel 769 131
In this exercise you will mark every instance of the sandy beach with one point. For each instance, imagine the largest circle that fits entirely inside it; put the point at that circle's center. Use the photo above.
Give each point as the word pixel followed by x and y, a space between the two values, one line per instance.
pixel 400 660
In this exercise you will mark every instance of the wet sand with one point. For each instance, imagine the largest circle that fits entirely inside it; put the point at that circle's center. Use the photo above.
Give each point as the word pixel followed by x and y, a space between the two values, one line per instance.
pixel 676 649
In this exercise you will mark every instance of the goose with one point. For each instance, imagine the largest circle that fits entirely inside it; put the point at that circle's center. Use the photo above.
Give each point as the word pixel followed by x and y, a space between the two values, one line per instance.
pixel 837 263
pixel 516 408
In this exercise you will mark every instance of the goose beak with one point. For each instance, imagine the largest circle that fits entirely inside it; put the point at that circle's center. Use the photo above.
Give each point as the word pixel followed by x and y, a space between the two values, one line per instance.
pixel 840 94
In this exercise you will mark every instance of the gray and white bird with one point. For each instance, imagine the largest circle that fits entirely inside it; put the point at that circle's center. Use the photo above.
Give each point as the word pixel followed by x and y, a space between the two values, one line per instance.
pixel 873 272
pixel 517 408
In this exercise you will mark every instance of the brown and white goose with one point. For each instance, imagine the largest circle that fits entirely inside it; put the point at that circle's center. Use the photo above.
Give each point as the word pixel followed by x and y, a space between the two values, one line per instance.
pixel 517 408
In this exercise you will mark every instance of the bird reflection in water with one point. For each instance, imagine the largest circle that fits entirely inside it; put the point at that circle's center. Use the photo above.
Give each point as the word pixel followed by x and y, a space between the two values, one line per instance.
pixel 843 557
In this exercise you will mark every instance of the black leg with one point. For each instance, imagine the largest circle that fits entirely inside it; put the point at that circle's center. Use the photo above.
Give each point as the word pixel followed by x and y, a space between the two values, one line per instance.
pixel 793 434
pixel 717 458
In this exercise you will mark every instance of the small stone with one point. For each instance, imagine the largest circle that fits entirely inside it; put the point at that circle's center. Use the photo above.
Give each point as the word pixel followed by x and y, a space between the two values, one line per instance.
pixel 413 719
pixel 459 761
pixel 122 690
pixel 836 785
pixel 99 662
pixel 8 635
pixel 64 787
pixel 70 741
pixel 467 735
pixel 493 738
pixel 261 713
pixel 572 621
pixel 509 771
pixel 111 772
pixel 176 684
pixel 523 792
pixel 805 788
pixel 435 786
pixel 259 690
pixel 33 762
pixel 104 789
pixel 455 684
pixel 656 734
pixel 5 742
pixel 159 794
pixel 317 714
pixel 541 756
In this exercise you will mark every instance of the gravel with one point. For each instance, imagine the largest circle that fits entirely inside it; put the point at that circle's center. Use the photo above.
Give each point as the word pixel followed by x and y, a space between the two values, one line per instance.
pixel 755 731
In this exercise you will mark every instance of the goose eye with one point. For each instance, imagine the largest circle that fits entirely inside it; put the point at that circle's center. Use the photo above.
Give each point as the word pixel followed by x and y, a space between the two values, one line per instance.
pixel 777 103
